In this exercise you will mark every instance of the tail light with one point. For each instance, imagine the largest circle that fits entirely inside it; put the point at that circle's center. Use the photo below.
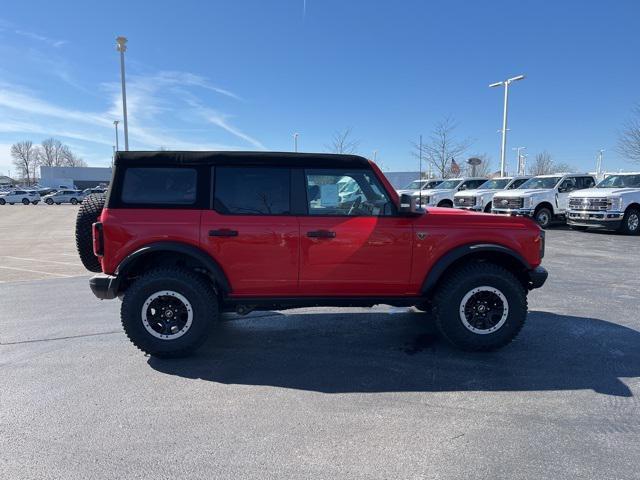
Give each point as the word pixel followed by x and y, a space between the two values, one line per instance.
pixel 98 239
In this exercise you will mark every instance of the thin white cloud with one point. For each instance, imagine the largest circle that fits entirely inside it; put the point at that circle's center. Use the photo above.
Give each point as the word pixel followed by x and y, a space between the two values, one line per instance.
pixel 41 38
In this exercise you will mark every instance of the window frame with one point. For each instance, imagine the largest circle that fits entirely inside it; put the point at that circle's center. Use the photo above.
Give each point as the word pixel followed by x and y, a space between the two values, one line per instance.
pixel 292 197
pixel 202 181
pixel 380 185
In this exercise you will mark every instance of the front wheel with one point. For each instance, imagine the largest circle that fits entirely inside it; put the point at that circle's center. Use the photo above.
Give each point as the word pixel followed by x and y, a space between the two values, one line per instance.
pixel 631 222
pixel 543 216
pixel 2 201
pixel 168 312
pixel 74 201
pixel 480 307
pixel 446 204
pixel 25 201
pixel 48 201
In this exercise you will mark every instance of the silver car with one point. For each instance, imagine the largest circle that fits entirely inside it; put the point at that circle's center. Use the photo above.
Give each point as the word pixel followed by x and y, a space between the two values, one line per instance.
pixel 64 196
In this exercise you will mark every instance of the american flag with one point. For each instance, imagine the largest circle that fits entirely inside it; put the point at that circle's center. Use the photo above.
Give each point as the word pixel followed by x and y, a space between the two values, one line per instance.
pixel 455 168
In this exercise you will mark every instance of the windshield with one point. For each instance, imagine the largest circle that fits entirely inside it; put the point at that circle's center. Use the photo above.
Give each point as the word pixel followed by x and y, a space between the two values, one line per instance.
pixel 541 182
pixel 415 185
pixel 629 181
pixel 449 184
pixel 432 184
pixel 496 184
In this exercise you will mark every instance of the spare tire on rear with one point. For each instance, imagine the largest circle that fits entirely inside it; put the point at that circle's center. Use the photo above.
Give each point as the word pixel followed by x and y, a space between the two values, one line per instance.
pixel 88 214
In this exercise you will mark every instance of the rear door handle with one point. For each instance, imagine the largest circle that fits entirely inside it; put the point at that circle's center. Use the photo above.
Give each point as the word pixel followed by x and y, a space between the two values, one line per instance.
pixel 321 234
pixel 223 232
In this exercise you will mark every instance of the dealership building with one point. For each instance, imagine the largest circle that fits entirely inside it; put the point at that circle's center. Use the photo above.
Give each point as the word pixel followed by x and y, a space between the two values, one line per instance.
pixel 80 177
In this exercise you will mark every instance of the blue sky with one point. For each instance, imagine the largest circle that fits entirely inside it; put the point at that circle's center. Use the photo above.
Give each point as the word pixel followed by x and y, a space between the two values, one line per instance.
pixel 246 74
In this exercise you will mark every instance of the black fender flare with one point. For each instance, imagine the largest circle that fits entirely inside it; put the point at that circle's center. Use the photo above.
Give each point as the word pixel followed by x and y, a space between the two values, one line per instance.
pixel 185 249
pixel 448 259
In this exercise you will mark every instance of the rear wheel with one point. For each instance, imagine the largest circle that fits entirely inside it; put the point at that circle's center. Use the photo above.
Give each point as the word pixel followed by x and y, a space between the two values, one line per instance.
pixel 74 201
pixel 25 201
pixel 88 214
pixel 631 222
pixel 48 201
pixel 543 216
pixel 2 201
pixel 168 312
pixel 480 307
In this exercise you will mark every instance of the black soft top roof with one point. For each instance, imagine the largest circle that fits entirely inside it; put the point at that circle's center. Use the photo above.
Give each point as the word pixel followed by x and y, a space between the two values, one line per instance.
pixel 285 159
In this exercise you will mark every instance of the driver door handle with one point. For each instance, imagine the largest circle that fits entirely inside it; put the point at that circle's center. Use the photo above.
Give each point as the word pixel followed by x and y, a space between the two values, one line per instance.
pixel 223 232
pixel 321 234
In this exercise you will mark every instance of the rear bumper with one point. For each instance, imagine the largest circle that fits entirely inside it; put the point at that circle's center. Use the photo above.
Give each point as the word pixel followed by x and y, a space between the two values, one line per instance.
pixel 537 277
pixel 104 287
pixel 581 218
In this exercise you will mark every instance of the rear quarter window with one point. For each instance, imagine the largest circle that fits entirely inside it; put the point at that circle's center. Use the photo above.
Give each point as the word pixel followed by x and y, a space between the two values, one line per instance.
pixel 151 186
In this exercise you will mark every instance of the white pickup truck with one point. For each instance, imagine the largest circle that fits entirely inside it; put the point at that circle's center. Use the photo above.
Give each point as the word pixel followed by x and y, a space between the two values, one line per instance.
pixel 442 195
pixel 614 204
pixel 544 198
pixel 480 199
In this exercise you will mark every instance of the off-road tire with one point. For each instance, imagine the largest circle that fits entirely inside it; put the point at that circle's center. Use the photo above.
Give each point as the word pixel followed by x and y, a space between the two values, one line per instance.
pixel 87 215
pixel 543 217
pixel 462 281
pixel 199 293
pixel 625 227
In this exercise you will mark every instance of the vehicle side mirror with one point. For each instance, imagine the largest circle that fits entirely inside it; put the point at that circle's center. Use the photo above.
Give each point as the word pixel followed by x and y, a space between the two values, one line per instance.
pixel 408 205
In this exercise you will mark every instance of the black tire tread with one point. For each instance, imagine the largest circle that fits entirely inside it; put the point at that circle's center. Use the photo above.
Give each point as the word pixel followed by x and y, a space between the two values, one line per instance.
pixel 449 284
pixel 127 311
pixel 88 214
pixel 624 226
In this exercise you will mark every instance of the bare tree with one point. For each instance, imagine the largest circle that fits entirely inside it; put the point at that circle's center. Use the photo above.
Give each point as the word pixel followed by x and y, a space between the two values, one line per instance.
pixel 542 165
pixel 442 146
pixel 73 160
pixel 25 159
pixel 343 142
pixel 629 140
pixel 53 153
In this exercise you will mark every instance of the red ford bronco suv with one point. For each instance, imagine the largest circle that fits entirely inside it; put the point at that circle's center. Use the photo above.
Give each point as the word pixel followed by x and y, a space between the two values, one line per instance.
pixel 183 236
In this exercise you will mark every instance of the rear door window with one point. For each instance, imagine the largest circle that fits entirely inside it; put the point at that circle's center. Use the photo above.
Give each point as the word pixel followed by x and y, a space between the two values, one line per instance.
pixel 252 190
pixel 159 186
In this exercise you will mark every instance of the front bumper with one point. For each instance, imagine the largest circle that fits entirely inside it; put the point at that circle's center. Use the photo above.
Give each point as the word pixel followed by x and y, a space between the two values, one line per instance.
pixel 105 287
pixel 524 212
pixel 584 218
pixel 472 208
pixel 537 277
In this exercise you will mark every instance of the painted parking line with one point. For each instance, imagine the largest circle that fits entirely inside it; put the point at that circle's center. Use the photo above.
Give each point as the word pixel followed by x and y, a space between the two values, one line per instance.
pixel 60 275
pixel 40 260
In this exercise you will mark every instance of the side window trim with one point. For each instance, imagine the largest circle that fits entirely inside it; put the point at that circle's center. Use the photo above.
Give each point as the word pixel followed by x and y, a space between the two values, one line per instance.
pixel 305 206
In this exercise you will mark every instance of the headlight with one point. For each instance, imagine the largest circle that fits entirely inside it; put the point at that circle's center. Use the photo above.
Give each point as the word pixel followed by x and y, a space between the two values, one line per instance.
pixel 614 203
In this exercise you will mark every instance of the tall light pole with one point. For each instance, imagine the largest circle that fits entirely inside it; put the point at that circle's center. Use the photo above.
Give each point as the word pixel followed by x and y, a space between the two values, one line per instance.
pixel 505 84
pixel 122 47
pixel 520 158
pixel 599 163
pixel 115 124
pixel 295 142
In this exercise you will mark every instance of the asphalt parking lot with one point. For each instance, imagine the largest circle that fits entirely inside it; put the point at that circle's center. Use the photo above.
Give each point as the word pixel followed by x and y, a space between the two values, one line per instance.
pixel 317 393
